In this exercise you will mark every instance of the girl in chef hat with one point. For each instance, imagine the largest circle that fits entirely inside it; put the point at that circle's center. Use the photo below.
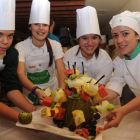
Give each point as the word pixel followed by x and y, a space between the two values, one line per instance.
pixel 8 64
pixel 96 61
pixel 126 35
pixel 38 55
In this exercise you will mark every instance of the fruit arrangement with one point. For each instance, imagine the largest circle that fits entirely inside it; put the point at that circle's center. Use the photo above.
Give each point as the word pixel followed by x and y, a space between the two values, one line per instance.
pixel 73 108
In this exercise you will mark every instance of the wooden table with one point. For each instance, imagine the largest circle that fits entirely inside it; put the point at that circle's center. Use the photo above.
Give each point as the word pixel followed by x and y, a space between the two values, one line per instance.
pixel 129 129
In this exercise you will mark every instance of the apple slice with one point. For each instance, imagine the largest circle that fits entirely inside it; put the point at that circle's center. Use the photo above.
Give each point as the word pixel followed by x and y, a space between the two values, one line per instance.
pixel 75 83
pixel 92 87
pixel 104 109
pixel 47 92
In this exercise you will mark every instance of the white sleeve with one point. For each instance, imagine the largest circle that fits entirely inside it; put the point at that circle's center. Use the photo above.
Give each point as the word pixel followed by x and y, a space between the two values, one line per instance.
pixel 21 49
pixel 57 50
pixel 105 67
pixel 117 81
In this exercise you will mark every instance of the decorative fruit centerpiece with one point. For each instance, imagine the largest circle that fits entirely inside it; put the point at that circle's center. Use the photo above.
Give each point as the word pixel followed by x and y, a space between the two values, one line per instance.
pixel 73 108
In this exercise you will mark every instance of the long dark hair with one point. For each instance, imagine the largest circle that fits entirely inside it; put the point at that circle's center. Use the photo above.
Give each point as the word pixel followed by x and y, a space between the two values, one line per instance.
pixel 49 47
pixel 96 51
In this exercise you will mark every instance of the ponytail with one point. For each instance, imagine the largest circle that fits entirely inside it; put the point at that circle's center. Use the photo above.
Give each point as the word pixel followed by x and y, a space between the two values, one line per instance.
pixel 50 52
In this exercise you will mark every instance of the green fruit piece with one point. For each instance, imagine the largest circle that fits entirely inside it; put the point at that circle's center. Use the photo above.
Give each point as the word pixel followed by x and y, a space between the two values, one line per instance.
pixel 93 99
pixel 84 75
pixel 65 80
pixel 52 94
pixel 25 118
pixel 93 109
pixel 53 104
pixel 91 138
pixel 110 107
pixel 73 76
pixel 75 95
pixel 58 89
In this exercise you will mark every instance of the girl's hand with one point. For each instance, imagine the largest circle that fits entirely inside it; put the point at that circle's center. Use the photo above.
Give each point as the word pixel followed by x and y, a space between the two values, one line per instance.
pixel 114 118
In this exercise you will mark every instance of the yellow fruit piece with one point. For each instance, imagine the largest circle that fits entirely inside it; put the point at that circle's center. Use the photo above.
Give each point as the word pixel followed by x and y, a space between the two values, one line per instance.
pixel 45 112
pixel 48 112
pixel 77 71
pixel 24 114
pixel 57 104
pixel 63 97
pixel 87 86
pixel 78 116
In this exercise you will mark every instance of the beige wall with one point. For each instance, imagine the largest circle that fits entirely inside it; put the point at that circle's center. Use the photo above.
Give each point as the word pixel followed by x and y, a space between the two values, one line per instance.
pixel 132 5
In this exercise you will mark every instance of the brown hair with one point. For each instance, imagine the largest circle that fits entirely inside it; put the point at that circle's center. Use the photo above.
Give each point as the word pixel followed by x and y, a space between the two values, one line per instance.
pixel 96 51
pixel 49 47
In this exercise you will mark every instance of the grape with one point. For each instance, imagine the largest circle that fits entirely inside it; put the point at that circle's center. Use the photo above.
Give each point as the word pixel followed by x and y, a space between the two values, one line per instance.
pixel 93 122
pixel 86 125
pixel 72 128
pixel 60 124
pixel 55 121
pixel 97 116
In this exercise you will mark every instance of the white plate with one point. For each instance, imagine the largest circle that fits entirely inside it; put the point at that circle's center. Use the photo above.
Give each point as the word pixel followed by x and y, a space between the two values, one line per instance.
pixel 46 124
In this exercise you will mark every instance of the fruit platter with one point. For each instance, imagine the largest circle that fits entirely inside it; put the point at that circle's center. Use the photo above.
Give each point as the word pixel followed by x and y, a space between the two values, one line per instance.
pixel 70 112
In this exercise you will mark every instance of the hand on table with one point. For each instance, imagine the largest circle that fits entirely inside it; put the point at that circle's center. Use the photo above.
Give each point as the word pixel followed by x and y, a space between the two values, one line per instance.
pixel 114 118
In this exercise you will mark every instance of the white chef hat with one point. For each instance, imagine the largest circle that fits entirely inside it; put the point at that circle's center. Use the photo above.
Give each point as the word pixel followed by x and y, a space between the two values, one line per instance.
pixel 127 18
pixel 40 12
pixel 110 42
pixel 103 37
pixel 7 14
pixel 87 21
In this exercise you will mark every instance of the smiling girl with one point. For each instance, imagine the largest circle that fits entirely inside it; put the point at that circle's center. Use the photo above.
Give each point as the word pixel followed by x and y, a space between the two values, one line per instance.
pixel 126 35
pixel 39 55
pixel 96 61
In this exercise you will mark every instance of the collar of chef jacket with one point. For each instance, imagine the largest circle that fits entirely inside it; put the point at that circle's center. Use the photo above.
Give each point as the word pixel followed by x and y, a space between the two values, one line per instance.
pixel 135 52
pixel 36 49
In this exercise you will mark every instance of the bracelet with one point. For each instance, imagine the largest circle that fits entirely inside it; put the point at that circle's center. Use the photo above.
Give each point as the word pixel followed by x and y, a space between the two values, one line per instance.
pixel 33 90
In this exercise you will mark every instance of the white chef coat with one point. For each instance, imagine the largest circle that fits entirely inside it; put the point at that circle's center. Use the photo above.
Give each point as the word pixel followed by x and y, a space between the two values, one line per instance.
pixel 28 52
pixel 126 72
pixel 94 68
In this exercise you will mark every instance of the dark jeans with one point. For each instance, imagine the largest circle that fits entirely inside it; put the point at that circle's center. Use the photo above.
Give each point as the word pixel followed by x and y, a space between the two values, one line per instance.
pixel 127 95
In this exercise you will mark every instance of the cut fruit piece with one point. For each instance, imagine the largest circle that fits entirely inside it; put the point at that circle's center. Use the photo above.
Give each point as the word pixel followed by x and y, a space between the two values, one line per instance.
pixel 78 116
pixel 61 114
pixel 68 92
pixel 45 112
pixel 93 88
pixel 75 83
pixel 82 133
pixel 47 92
pixel 110 107
pixel 86 79
pixel 63 97
pixel 98 107
pixel 104 110
pixel 47 101
pixel 57 96
pixel 85 95
pixel 102 91
pixel 54 112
